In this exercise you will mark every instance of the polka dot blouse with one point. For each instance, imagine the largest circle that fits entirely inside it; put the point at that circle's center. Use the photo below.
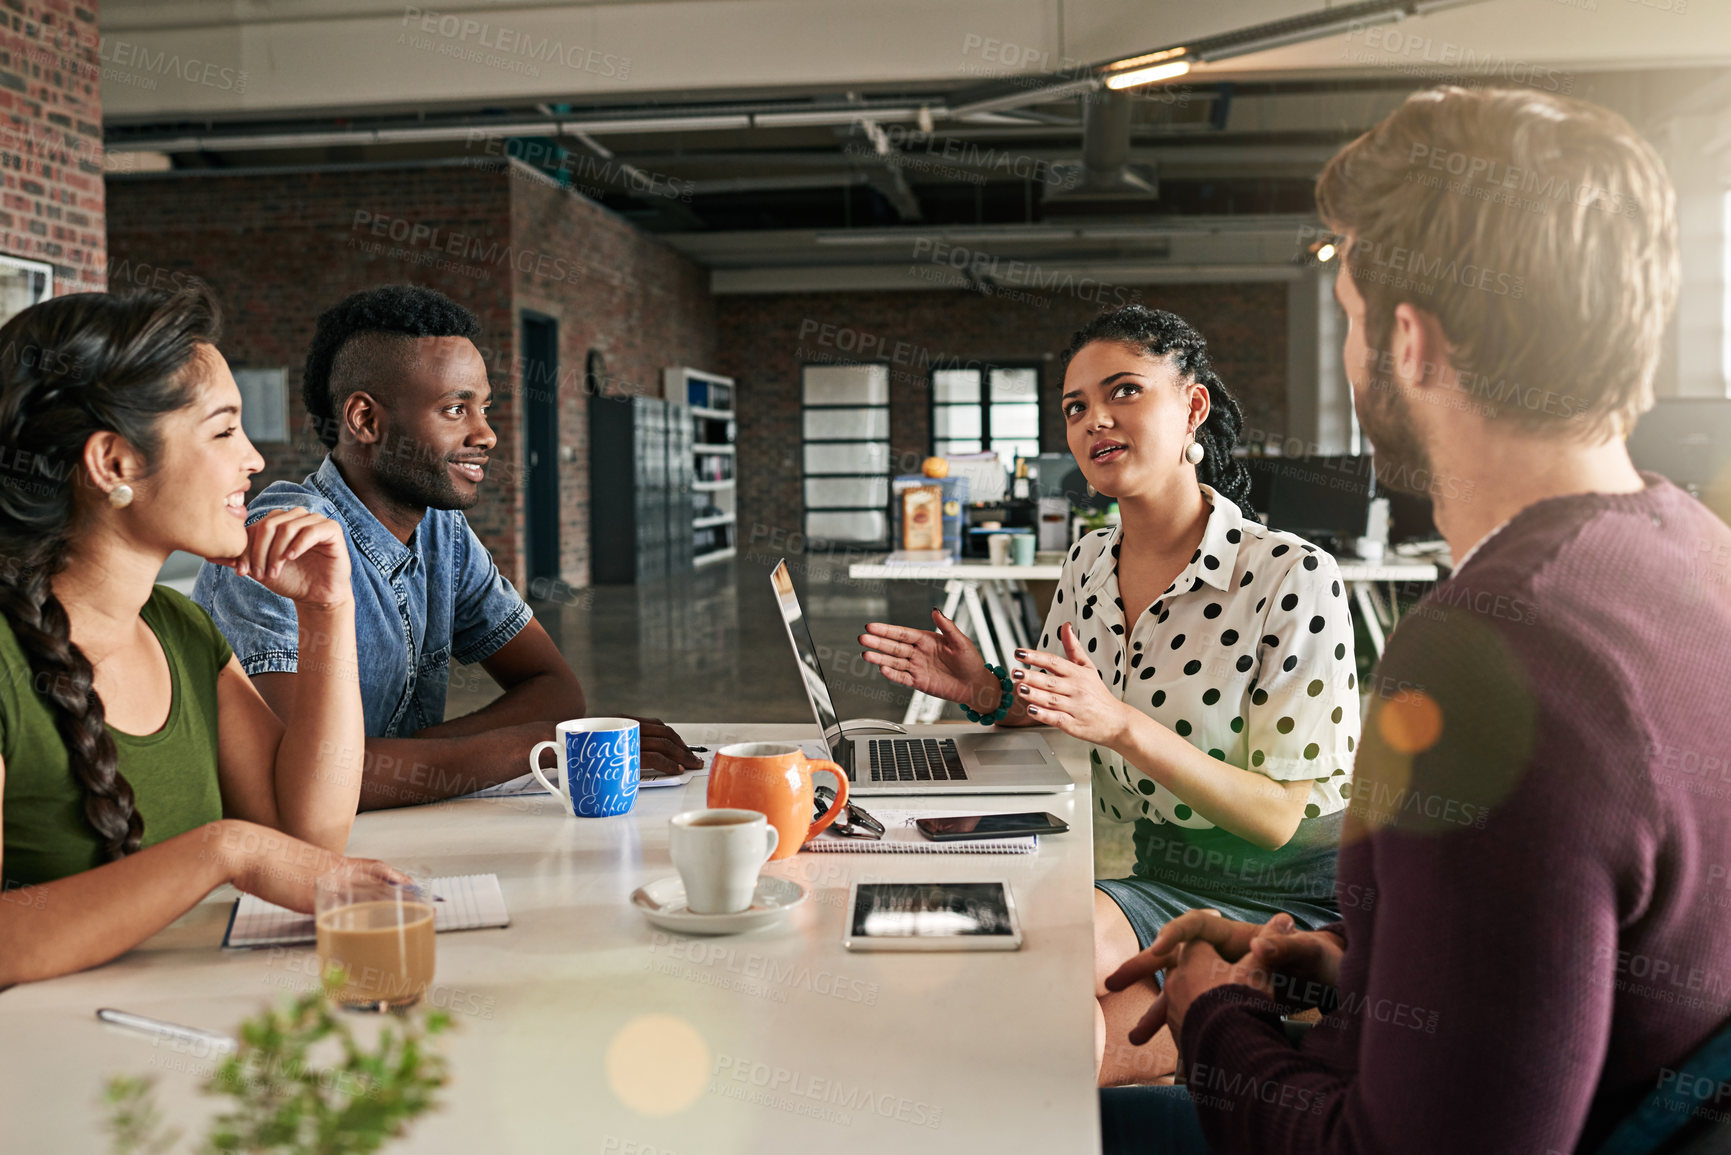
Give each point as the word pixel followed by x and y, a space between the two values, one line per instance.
pixel 1247 655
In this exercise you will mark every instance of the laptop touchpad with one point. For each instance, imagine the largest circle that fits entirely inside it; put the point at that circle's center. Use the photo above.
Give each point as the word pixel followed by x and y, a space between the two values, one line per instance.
pixel 1004 751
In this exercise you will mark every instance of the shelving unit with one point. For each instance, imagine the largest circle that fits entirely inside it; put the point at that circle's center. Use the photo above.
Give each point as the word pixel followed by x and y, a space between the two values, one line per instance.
pixel 714 498
pixel 640 487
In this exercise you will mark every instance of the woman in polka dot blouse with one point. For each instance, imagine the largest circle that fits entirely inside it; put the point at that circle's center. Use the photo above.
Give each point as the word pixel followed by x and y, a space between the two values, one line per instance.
pixel 1207 659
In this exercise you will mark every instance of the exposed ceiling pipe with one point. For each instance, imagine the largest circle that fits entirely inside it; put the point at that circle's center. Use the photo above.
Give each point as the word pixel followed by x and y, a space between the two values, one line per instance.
pixel 549 127
pixel 1106 150
pixel 1024 95
pixel 1022 91
pixel 786 183
pixel 1204 225
pixel 635 178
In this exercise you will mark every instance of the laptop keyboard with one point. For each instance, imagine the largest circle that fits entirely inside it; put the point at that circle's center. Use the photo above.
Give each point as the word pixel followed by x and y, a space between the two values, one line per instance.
pixel 916 760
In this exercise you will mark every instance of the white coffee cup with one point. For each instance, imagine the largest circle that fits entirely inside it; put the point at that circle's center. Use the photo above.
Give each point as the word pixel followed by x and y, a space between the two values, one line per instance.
pixel 998 549
pixel 718 854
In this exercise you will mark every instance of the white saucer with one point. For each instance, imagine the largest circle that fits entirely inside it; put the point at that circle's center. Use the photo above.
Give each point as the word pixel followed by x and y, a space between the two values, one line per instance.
pixel 663 903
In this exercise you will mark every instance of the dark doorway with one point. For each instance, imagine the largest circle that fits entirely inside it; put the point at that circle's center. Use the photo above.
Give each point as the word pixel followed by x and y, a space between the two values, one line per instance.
pixel 541 445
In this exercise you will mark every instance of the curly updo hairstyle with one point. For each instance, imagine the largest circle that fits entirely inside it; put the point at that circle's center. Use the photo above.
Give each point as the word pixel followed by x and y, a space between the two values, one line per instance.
pixel 71 367
pixel 1158 333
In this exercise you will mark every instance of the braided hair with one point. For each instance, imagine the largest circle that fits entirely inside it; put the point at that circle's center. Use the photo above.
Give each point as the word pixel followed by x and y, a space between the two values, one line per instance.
pixel 1157 333
pixel 72 367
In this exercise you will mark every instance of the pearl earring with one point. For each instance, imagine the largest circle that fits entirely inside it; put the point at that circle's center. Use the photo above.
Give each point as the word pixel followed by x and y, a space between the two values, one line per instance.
pixel 120 496
pixel 1193 453
pixel 1092 492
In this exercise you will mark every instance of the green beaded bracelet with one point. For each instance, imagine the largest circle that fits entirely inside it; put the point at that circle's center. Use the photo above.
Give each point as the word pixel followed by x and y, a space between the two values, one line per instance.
pixel 1003 709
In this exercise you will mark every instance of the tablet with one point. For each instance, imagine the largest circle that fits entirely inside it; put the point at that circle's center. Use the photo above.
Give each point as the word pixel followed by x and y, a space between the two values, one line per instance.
pixel 932 916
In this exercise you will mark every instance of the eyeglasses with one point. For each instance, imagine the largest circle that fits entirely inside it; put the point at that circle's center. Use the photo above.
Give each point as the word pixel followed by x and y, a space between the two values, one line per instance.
pixel 852 822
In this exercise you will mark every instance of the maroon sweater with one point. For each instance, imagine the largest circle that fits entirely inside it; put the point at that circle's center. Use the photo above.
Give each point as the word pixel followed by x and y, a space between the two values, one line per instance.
pixel 1540 914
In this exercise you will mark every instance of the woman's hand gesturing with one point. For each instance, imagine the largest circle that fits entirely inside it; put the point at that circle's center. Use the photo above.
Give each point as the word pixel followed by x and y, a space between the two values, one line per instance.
pixel 1070 694
pixel 943 663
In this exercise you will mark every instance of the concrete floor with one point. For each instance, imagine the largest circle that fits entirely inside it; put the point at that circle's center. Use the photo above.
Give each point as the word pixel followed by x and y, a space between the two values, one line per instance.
pixel 710 647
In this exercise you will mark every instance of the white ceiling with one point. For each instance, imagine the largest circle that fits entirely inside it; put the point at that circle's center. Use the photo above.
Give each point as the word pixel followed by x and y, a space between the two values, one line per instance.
pixel 265 57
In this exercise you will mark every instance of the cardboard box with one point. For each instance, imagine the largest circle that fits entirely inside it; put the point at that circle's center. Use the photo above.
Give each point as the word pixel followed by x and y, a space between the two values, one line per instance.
pixel 922 517
pixel 954 492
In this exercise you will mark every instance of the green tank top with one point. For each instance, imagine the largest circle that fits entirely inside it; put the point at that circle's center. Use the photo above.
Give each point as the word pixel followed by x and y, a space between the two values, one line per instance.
pixel 172 772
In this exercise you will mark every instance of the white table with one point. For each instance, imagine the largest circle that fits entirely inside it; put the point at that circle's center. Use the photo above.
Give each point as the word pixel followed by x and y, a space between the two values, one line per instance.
pixel 1361 577
pixel 580 1028
pixel 979 597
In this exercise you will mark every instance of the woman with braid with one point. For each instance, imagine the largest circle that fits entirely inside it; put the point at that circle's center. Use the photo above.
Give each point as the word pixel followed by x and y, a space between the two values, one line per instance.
pixel 139 768
pixel 1206 659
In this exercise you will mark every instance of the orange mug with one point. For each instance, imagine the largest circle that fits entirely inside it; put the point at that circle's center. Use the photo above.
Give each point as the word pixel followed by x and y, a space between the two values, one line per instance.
pixel 774 779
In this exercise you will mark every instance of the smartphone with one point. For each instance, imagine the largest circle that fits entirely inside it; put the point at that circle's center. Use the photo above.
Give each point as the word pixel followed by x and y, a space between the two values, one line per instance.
pixel 955 826
pixel 932 916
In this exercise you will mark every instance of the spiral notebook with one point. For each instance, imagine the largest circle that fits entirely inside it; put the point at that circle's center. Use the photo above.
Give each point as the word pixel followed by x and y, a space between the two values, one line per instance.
pixel 902 837
pixel 464 902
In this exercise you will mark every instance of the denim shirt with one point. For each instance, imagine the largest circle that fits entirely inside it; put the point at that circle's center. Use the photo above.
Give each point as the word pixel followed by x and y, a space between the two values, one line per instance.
pixel 417 606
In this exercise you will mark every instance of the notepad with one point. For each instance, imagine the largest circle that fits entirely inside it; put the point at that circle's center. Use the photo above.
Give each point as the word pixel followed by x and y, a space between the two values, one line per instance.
pixel 471 901
pixel 901 836
pixel 528 784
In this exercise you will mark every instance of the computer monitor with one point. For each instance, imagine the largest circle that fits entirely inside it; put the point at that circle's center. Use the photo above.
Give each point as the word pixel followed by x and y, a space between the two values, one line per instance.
pixel 1058 475
pixel 810 669
pixel 1316 497
pixel 1687 439
pixel 1411 517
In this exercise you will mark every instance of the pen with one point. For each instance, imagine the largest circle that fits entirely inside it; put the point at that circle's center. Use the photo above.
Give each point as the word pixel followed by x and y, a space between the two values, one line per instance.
pixel 158 1028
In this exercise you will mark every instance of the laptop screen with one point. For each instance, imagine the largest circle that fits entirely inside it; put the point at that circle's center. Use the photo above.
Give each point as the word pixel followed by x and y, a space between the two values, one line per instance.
pixel 810 671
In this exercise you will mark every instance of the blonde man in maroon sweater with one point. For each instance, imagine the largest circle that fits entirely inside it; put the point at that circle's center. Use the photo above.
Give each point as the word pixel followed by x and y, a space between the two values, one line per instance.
pixel 1540 828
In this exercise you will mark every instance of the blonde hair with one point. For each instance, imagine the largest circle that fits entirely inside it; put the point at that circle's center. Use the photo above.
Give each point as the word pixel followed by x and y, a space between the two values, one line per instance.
pixel 1540 231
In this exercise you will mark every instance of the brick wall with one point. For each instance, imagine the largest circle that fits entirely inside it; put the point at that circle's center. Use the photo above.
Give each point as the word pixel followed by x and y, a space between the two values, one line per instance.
pixel 278 248
pixel 51 191
pixel 766 338
pixel 613 288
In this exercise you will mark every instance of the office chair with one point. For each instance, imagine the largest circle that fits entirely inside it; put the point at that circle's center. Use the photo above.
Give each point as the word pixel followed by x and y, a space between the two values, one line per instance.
pixel 1665 1123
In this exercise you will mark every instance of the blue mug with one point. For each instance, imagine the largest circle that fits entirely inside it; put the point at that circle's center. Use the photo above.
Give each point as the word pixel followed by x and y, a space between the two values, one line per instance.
pixel 600 762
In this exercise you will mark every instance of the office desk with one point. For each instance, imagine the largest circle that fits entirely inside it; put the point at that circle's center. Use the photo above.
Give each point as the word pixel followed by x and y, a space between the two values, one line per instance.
pixel 981 598
pixel 1361 578
pixel 581 1028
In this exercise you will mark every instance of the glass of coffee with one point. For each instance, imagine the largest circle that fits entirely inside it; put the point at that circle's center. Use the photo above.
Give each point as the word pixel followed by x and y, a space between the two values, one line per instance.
pixel 380 933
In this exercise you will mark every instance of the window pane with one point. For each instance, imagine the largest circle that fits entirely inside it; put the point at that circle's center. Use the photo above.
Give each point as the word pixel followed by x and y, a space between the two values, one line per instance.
pixel 1016 385
pixel 863 527
pixel 863 457
pixel 956 421
pixel 1008 451
pixel 22 285
pixel 945 448
pixel 854 424
pixel 1015 421
pixel 263 404
pixel 830 492
pixel 847 384
pixel 955 385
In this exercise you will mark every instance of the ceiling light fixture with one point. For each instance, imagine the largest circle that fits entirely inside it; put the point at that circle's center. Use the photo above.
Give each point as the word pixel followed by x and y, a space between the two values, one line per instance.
pixel 1147 58
pixel 1136 78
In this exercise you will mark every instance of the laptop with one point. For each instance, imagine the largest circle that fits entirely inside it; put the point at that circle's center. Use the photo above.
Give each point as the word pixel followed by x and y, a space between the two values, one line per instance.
pixel 980 762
